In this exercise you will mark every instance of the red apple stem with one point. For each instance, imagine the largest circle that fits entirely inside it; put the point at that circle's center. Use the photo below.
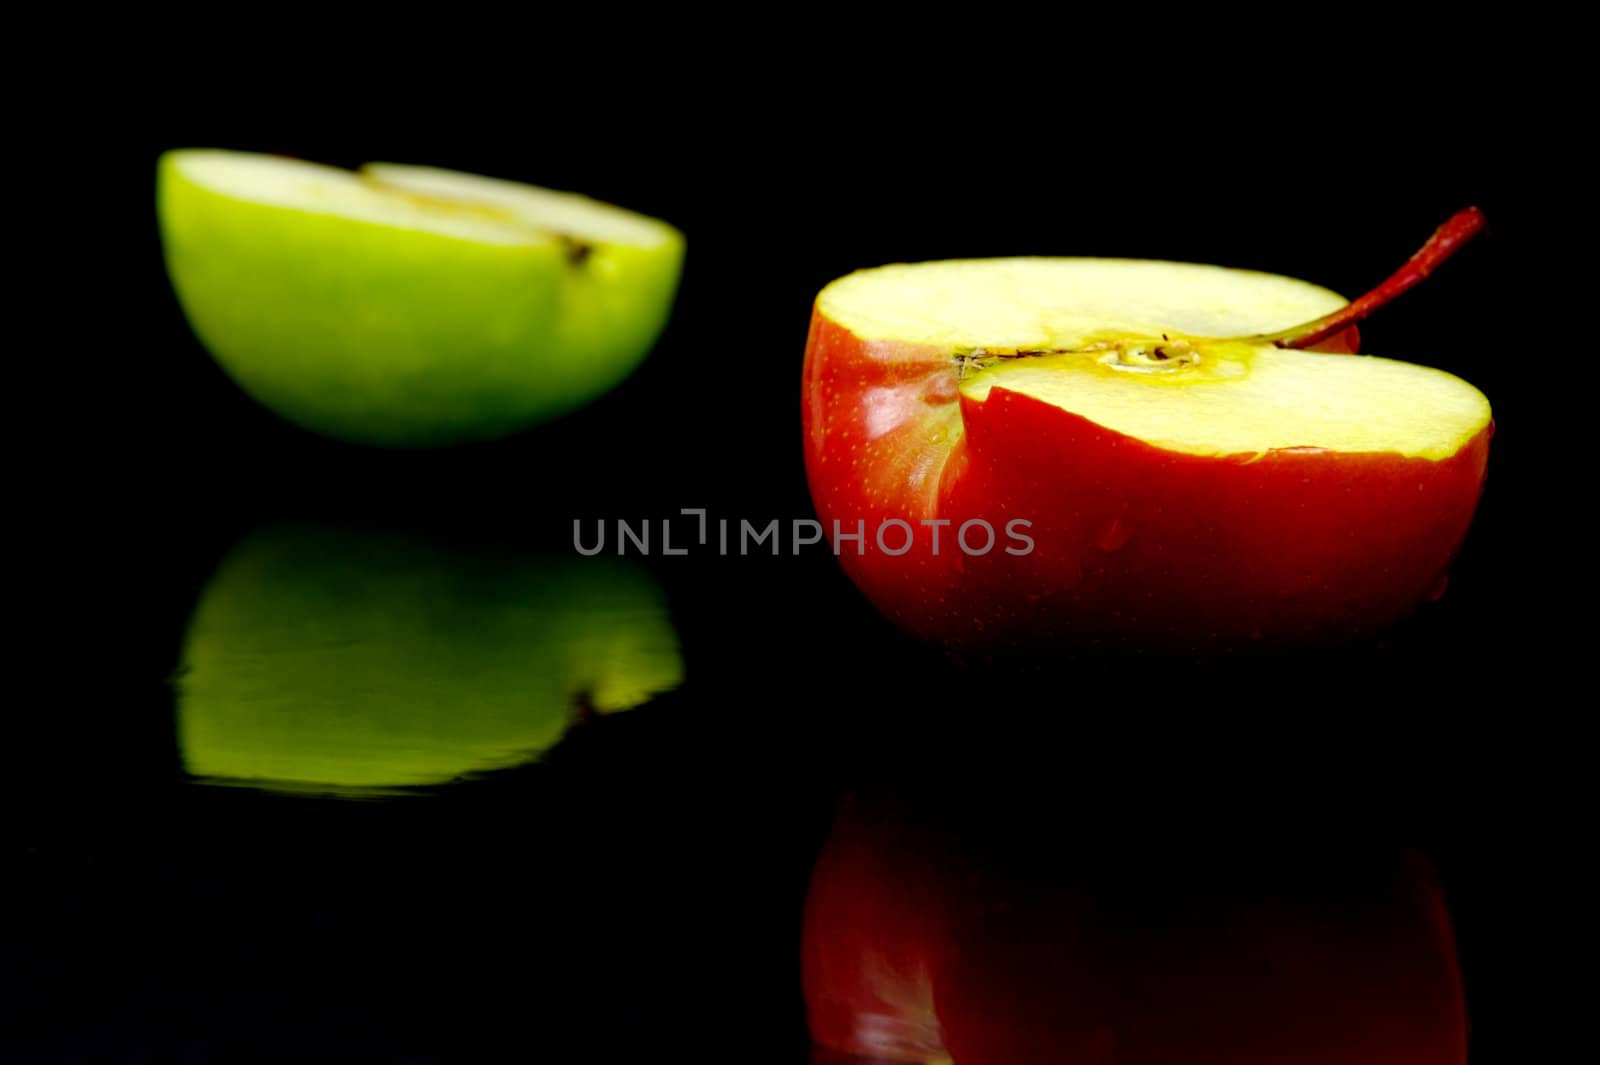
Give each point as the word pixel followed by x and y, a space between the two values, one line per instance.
pixel 1445 242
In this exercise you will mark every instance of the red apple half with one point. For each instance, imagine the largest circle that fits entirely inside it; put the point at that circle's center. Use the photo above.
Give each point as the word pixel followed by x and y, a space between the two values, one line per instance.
pixel 1119 453
pixel 915 950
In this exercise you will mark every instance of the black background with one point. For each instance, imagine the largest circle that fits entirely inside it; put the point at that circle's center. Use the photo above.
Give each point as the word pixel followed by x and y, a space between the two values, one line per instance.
pixel 639 892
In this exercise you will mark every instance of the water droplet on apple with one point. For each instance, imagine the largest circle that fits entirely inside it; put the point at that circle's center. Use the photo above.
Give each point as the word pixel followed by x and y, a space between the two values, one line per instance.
pixel 1113 535
pixel 1437 591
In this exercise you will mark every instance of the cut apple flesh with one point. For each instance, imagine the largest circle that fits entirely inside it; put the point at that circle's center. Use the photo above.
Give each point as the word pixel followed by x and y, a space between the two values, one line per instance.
pixel 1239 400
pixel 1124 344
pixel 421 198
pixel 564 213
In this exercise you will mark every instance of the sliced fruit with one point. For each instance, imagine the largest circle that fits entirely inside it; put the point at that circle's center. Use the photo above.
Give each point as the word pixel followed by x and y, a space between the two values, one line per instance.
pixel 370 311
pixel 1183 481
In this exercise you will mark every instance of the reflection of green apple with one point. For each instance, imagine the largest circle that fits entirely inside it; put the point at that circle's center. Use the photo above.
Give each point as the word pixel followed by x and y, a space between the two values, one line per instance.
pixel 406 306
pixel 335 660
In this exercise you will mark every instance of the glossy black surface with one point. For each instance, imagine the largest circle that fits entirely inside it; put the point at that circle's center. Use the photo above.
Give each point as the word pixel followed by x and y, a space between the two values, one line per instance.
pixel 636 893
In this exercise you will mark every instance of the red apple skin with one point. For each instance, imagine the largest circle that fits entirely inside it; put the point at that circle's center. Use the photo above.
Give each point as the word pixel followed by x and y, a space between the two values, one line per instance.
pixel 876 919
pixel 905 934
pixel 1290 978
pixel 1134 546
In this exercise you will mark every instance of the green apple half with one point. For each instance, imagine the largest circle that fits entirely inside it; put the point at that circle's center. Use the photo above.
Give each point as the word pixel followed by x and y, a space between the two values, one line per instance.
pixel 407 306
pixel 343 661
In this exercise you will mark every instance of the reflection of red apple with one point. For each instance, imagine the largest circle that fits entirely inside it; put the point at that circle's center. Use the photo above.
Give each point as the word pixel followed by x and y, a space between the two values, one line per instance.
pixel 914 952
pixel 877 918
pixel 1173 489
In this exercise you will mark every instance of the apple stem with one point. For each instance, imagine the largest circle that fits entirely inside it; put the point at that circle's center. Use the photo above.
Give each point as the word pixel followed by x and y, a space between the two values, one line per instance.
pixel 1445 242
